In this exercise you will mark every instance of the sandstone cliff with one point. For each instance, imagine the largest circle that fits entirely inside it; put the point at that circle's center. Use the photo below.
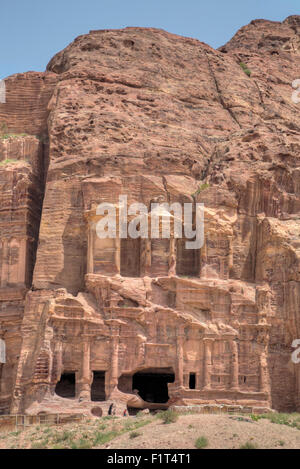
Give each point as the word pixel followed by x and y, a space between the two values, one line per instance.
pixel 158 117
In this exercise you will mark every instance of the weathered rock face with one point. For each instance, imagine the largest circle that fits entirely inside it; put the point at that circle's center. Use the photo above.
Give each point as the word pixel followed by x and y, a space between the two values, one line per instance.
pixel 145 322
pixel 23 166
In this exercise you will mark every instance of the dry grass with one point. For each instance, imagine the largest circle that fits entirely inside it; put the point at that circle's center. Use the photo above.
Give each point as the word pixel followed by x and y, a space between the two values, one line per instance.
pixel 89 433
pixel 188 431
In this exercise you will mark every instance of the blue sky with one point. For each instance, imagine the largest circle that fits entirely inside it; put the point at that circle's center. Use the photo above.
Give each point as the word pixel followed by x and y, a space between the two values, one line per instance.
pixel 32 31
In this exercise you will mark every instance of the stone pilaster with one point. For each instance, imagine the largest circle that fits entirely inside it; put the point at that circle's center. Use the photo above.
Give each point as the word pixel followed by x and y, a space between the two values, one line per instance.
pixel 4 270
pixel 90 256
pixel 179 379
pixel 85 375
pixel 172 258
pixel 113 375
pixel 207 362
pixel 234 372
pixel 264 380
pixel 263 339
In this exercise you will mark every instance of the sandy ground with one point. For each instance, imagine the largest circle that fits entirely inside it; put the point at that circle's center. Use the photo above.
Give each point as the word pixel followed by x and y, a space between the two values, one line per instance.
pixel 221 431
pixel 148 431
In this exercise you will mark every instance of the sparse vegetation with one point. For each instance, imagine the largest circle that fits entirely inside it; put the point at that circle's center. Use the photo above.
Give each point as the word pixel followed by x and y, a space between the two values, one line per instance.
pixel 133 432
pixel 6 136
pixel 246 70
pixel 291 420
pixel 134 435
pixel 7 161
pixel 168 416
pixel 249 445
pixel 201 188
pixel 255 417
pixel 86 435
pixel 201 442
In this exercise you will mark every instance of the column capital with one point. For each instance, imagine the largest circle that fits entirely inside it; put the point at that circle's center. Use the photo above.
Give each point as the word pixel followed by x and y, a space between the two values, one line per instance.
pixel 180 330
pixel 208 340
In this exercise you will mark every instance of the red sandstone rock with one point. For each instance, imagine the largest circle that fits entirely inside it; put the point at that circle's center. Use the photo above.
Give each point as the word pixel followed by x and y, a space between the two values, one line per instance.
pixel 155 116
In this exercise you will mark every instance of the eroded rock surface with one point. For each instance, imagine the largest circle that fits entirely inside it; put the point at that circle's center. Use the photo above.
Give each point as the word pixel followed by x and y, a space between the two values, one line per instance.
pixel 147 323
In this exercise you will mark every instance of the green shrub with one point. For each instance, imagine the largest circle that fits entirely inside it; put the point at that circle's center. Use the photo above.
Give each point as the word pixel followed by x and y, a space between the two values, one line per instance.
pixel 249 445
pixel 38 445
pixel 8 160
pixel 201 188
pixel 134 435
pixel 280 419
pixel 101 438
pixel 291 420
pixel 47 430
pixel 201 442
pixel 245 69
pixel 5 136
pixel 168 416
pixel 255 417
pixel 82 443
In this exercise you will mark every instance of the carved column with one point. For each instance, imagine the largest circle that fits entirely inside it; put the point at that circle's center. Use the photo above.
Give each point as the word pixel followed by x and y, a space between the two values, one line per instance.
pixel 117 246
pixel 90 258
pixel 152 328
pixel 57 364
pixel 141 340
pixel 85 379
pixel 207 365
pixel 263 339
pixel 4 271
pixel 179 355
pixel 145 261
pixel 22 261
pixel 230 254
pixel 234 372
pixel 114 358
pixel 148 257
pixel 264 373
pixel 114 361
pixel 172 258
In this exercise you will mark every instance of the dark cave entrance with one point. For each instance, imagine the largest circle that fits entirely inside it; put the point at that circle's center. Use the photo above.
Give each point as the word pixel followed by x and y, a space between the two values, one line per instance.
pixel 192 381
pixel 187 260
pixel 98 386
pixel 66 385
pixel 152 385
pixel 130 257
